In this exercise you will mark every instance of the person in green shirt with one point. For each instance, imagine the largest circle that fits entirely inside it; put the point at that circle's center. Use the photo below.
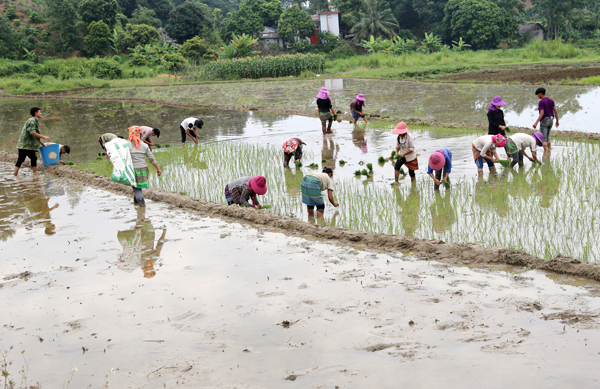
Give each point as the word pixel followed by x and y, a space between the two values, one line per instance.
pixel 30 140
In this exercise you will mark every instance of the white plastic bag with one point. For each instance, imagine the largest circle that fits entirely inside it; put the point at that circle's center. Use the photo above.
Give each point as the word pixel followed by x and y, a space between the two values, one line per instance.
pixel 118 152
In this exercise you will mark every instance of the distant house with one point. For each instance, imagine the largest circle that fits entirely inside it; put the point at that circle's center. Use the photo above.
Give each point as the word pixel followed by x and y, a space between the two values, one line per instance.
pixel 326 22
pixel 269 36
pixel 532 30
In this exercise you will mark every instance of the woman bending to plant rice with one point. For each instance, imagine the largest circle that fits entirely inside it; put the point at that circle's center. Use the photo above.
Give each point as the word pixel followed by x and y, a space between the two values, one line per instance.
pixel 292 148
pixel 243 189
pixel 519 142
pixel 139 151
pixel 405 149
pixel 484 148
pixel 438 161
pixel 356 108
pixel 312 185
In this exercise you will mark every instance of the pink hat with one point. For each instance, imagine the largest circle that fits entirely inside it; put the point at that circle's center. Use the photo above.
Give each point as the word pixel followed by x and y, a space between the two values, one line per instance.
pixel 538 138
pixel 400 129
pixel 437 160
pixel 323 93
pixel 499 140
pixel 361 97
pixel 258 185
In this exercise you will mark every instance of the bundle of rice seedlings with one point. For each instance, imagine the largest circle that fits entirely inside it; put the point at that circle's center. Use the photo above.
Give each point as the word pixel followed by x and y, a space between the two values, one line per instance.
pixel 507 129
pixel 504 162
pixel 335 117
pixel 167 145
pixel 313 166
pixel 402 171
pixel 323 160
pixel 381 160
pixel 298 163
pixel 157 145
pixel 265 207
pixel 446 184
pixel 357 173
pixel 364 172
pixel 342 162
pixel 70 163
pixel 370 167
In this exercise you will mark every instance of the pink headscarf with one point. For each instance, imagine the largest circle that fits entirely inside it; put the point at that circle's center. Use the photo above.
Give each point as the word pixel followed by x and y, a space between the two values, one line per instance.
pixel 323 93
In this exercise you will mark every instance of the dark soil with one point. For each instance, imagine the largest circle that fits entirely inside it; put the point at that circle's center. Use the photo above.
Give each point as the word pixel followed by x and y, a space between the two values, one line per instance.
pixel 528 76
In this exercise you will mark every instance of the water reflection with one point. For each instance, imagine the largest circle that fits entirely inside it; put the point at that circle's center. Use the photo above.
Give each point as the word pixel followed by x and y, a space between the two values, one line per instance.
pixel 138 246
pixel 37 206
pixel 442 212
pixel 548 182
pixel 358 138
pixel 410 209
pixel 330 151
pixel 293 181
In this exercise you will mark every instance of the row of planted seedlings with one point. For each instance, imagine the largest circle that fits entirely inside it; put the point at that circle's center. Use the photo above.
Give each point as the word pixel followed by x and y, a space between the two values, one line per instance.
pixel 546 210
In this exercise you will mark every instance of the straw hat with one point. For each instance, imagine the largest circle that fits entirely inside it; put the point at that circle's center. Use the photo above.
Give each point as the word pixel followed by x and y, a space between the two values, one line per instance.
pixel 400 129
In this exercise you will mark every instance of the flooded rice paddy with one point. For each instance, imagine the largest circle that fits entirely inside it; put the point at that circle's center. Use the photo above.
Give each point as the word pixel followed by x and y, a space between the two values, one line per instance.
pixel 97 293
pixel 546 211
pixel 445 102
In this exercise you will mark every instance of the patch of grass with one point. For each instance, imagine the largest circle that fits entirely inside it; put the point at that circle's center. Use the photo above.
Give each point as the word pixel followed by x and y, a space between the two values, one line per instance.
pixel 342 162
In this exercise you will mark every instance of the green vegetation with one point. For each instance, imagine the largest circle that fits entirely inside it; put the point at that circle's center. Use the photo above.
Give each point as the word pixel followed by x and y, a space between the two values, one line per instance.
pixel 381 159
pixel 342 162
pixel 260 67
pixel 298 163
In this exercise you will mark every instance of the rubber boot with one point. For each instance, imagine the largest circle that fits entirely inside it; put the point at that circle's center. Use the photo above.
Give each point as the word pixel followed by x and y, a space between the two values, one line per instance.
pixel 138 198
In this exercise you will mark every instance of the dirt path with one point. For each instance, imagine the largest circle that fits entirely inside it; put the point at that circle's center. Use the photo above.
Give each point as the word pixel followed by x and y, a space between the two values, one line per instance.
pixel 527 76
pixel 424 249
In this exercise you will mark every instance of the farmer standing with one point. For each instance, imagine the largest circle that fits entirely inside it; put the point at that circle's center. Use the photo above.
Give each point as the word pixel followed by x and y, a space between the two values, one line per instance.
pixel 241 190
pixel 438 161
pixel 496 117
pixel 484 148
pixel 325 109
pixel 356 108
pixel 517 143
pixel 312 185
pixel 147 132
pixel 292 148
pixel 187 126
pixel 405 148
pixel 30 140
pixel 546 118
pixel 138 151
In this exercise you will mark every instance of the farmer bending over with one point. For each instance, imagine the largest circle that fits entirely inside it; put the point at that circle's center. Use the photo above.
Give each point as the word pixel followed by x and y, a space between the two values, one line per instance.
pixel 312 185
pixel 147 132
pixel 189 127
pixel 356 108
pixel 241 190
pixel 139 151
pixel 64 149
pixel 546 118
pixel 517 143
pixel 405 148
pixel 105 138
pixel 441 159
pixel 292 148
pixel 30 140
pixel 484 148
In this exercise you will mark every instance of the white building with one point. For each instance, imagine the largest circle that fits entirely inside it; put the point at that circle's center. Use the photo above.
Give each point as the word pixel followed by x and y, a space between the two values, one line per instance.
pixel 328 21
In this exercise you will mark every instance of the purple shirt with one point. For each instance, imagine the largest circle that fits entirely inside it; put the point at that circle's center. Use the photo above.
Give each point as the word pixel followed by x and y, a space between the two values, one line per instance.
pixel 547 104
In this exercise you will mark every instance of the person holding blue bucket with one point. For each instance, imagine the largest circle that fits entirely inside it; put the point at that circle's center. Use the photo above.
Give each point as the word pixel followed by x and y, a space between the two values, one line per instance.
pixel 30 140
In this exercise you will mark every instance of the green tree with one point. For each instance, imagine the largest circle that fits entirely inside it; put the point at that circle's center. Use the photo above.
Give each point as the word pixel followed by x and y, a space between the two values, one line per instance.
pixel 224 5
pixel 295 23
pixel 190 19
pixel 143 15
pixel 63 19
pixel 8 39
pixel 99 38
pixel 555 13
pixel 140 34
pixel 481 23
pixel 349 11
pixel 239 23
pixel 96 10
pixel 162 8
pixel 126 7
pixel 375 20
pixel 194 48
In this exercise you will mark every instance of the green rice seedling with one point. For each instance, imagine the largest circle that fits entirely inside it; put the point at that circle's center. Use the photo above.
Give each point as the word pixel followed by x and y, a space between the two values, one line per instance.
pixel 402 171
pixel 298 163
pixel 446 184
pixel 504 162
pixel 393 156
pixel 364 172
pixel 167 145
pixel 350 121
pixel 342 162
pixel 313 166
pixel 157 145
pixel 323 160
pixel 335 117
pixel 265 207
pixel 507 129
pixel 70 163
pixel 381 160
pixel 357 173
pixel 370 167
pixel 99 154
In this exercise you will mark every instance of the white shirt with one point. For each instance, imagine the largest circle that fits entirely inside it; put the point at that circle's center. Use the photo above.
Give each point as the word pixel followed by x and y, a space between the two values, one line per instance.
pixel 188 123
pixel 524 141
pixel 146 132
pixel 326 181
pixel 484 144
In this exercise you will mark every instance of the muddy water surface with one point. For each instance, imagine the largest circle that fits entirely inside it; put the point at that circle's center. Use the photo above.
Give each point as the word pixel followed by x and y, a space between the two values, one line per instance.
pixel 453 103
pixel 146 298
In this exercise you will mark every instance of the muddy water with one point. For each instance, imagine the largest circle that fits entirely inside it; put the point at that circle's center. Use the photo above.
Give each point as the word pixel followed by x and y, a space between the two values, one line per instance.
pixel 159 297
pixel 454 103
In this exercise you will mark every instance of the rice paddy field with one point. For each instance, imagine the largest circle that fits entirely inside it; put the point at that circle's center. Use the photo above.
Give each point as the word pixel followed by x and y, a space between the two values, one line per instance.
pixel 548 210
pixel 444 102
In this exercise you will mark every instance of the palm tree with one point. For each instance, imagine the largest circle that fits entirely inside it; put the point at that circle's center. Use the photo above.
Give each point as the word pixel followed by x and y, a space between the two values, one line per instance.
pixel 374 21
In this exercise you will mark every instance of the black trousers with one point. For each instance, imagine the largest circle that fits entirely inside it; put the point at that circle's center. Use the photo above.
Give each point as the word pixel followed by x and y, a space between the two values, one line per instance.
pixel 31 154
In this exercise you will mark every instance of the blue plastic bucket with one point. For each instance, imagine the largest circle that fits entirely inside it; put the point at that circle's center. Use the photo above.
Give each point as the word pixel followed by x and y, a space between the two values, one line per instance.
pixel 50 154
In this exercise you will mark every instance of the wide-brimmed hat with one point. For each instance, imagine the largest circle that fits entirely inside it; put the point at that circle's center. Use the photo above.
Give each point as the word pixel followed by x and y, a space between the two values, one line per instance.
pixel 258 185
pixel 437 160
pixel 323 93
pixel 360 97
pixel 400 129
pixel 499 140
pixel 289 146
pixel 497 101
pixel 539 138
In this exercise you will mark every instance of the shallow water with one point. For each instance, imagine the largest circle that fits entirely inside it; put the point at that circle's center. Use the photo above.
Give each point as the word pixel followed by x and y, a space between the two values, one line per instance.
pixel 445 102
pixel 146 298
